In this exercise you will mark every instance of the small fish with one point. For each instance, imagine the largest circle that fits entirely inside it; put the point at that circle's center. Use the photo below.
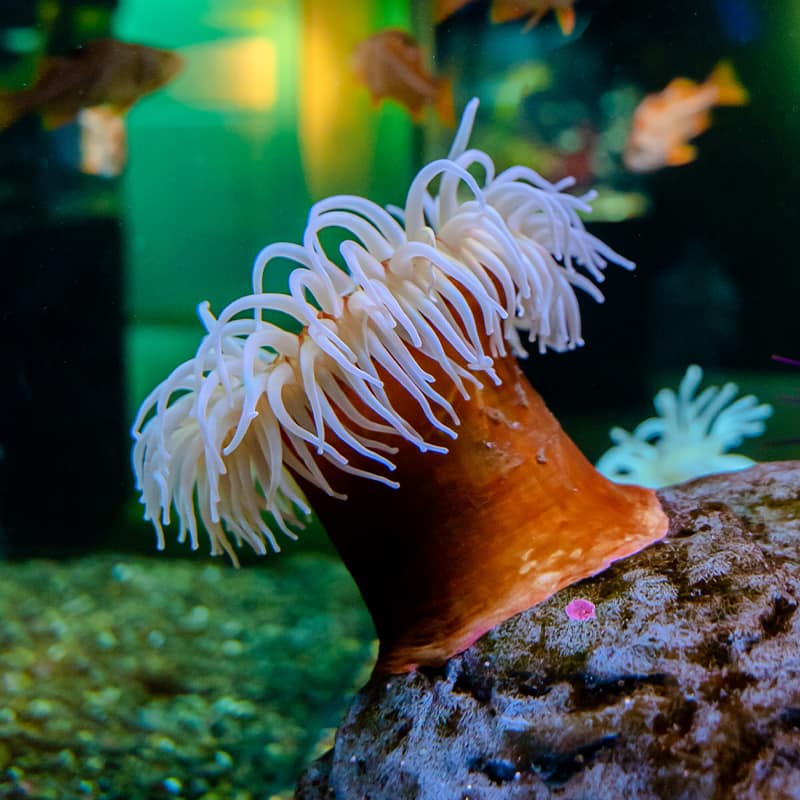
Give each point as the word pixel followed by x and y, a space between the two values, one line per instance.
pixel 664 122
pixel 104 72
pixel 508 10
pixel 390 65
pixel 509 91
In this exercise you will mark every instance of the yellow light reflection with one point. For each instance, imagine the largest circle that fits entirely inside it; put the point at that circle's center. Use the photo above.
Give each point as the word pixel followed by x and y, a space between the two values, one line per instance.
pixel 230 74
pixel 229 17
pixel 335 126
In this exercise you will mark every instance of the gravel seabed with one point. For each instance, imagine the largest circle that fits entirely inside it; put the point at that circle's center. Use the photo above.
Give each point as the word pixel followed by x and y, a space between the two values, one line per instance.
pixel 129 677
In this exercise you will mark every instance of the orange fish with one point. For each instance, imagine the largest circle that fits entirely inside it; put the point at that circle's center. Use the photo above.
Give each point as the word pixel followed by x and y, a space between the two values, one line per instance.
pixel 390 65
pixel 105 72
pixel 508 10
pixel 664 122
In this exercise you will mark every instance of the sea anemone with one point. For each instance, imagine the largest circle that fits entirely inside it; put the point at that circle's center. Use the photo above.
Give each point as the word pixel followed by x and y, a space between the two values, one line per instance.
pixel 468 502
pixel 690 437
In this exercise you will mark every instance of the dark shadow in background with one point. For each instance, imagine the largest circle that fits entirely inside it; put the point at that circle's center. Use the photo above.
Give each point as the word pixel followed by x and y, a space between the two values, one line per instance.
pixel 63 446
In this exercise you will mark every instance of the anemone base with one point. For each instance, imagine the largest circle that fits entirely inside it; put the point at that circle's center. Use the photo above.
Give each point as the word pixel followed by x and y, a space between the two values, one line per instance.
pixel 511 514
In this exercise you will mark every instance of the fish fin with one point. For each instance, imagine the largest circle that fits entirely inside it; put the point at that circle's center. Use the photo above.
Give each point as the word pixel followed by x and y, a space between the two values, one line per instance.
pixel 446 8
pixel 10 110
pixel 508 10
pixel 534 20
pixel 681 154
pixel 445 108
pixel 56 119
pixel 702 123
pixel 106 110
pixel 119 110
pixel 730 91
pixel 681 85
pixel 566 20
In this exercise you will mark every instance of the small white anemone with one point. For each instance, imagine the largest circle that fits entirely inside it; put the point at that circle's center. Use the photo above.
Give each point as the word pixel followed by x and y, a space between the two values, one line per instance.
pixel 447 280
pixel 691 436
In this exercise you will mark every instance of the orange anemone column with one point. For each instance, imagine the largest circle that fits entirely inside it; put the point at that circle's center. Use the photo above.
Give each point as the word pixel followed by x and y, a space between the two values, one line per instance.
pixel 513 513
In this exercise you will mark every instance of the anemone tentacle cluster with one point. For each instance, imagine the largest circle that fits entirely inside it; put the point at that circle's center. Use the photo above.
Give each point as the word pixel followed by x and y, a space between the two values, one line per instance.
pixel 690 437
pixel 447 278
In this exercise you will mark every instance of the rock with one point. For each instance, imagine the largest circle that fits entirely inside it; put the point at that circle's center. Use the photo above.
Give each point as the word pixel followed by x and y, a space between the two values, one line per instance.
pixel 686 684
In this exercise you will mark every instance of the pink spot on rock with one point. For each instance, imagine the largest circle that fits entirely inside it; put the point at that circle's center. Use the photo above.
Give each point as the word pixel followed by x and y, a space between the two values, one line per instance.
pixel 580 609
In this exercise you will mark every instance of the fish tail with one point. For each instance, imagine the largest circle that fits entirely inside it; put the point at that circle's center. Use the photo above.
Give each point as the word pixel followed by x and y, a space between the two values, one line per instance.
pixel 507 11
pixel 730 91
pixel 681 154
pixel 10 109
pixel 566 19
pixel 445 107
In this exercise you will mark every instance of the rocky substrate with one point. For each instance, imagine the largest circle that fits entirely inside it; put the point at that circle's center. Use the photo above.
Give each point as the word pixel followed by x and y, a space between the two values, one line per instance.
pixel 685 683
pixel 148 678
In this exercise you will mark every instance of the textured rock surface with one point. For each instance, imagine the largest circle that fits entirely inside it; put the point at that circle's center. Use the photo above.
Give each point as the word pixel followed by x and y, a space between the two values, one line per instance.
pixel 685 685
pixel 134 678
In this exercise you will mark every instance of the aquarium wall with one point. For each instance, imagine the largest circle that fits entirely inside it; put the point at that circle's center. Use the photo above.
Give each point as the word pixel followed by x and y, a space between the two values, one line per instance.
pixel 231 155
